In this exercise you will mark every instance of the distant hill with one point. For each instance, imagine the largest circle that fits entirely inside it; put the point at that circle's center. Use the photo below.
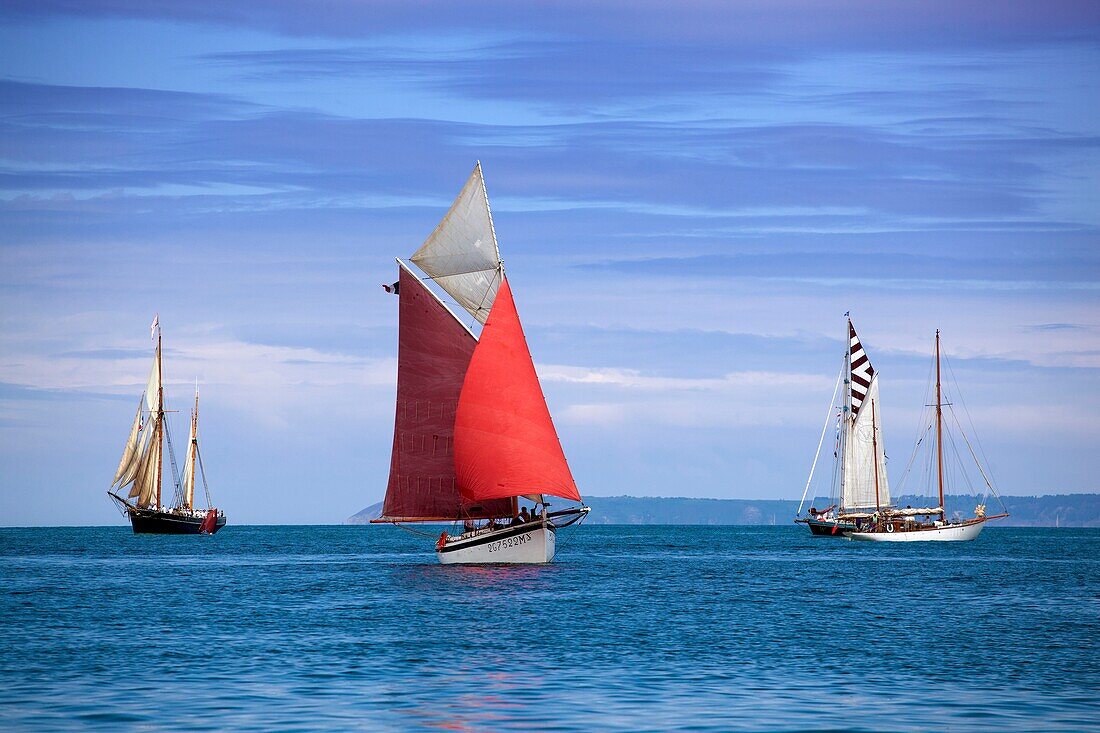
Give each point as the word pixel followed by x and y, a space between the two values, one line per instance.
pixel 1066 510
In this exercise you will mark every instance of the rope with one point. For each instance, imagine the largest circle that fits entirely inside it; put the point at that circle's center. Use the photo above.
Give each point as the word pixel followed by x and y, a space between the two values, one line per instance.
pixel 410 530
pixel 820 441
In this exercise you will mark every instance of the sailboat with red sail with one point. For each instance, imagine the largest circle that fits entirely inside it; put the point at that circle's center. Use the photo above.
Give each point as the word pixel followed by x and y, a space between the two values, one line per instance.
pixel 473 436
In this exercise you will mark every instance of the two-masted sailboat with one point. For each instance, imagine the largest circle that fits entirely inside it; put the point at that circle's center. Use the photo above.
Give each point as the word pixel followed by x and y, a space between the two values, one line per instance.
pixel 858 486
pixel 472 431
pixel 930 524
pixel 141 467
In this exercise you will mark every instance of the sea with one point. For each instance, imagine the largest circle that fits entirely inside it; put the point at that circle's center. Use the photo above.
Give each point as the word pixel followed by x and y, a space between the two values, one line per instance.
pixel 632 628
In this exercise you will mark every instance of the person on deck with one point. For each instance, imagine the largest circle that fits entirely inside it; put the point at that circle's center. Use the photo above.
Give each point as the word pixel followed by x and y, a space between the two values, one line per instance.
pixel 524 516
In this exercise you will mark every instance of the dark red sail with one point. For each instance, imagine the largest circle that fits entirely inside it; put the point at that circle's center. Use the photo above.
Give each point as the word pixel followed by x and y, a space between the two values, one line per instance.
pixel 505 441
pixel 434 350
pixel 209 522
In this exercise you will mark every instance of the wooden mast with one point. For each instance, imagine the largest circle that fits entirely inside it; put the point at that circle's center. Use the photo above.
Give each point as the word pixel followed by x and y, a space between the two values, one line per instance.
pixel 160 414
pixel 874 457
pixel 939 429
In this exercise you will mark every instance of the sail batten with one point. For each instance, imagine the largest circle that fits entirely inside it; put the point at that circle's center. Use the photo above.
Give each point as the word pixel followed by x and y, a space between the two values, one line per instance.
pixel 462 254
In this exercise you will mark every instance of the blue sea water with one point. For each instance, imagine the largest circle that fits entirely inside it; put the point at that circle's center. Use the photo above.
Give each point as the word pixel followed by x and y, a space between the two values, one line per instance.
pixel 633 628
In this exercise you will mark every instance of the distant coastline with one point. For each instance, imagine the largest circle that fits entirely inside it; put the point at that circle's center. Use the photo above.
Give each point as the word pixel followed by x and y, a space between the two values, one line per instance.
pixel 1065 510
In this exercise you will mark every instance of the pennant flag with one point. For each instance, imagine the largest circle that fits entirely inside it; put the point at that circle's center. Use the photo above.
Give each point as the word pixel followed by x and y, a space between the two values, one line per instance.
pixel 153 326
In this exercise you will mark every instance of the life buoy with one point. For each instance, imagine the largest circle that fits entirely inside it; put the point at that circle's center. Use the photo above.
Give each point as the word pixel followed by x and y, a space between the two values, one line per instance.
pixel 889 526
pixel 442 542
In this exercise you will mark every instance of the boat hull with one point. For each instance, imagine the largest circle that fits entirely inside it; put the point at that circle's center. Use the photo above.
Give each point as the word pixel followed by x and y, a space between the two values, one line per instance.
pixel 525 544
pixel 950 533
pixel 150 521
pixel 823 528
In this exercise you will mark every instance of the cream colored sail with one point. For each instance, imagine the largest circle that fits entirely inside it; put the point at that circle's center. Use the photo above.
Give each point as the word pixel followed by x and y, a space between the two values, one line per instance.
pixel 130 448
pixel 461 255
pixel 143 447
pixel 145 484
pixel 860 455
pixel 189 463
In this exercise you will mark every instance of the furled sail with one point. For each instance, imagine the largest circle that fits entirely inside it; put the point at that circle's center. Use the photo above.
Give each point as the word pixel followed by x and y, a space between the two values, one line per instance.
pixel 434 351
pixel 461 255
pixel 505 441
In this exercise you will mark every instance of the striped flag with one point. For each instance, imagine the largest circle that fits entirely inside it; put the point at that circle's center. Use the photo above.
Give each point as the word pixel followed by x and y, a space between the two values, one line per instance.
pixel 861 370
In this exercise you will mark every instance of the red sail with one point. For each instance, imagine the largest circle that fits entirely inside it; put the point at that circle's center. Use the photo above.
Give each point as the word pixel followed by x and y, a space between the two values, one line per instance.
pixel 505 442
pixel 209 522
pixel 433 353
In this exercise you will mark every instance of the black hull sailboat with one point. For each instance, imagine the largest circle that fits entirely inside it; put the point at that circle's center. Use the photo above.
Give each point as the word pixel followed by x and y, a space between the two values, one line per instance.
pixel 141 466
pixel 151 521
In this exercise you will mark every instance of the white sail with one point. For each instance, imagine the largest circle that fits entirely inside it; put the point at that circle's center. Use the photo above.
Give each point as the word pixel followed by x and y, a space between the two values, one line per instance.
pixel 189 463
pixel 861 453
pixel 130 448
pixel 461 255
pixel 142 458
pixel 145 480
pixel 152 387
pixel 138 456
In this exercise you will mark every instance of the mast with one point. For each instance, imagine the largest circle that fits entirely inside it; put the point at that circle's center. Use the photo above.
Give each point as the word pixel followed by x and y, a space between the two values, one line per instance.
pixel 939 429
pixel 160 413
pixel 874 448
pixel 846 410
pixel 192 456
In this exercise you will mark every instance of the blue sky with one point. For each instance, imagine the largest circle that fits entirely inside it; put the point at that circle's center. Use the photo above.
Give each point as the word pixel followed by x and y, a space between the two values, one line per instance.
pixel 688 198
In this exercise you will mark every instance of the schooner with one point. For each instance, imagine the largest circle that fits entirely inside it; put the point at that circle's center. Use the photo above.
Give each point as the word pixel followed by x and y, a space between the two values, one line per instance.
pixel 931 524
pixel 859 486
pixel 141 467
pixel 472 432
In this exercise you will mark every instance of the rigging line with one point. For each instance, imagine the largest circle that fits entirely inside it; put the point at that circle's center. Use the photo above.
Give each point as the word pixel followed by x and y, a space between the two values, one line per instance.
pixel 988 481
pixel 820 441
pixel 974 430
pixel 564 542
pixel 202 471
pixel 410 530
pixel 177 491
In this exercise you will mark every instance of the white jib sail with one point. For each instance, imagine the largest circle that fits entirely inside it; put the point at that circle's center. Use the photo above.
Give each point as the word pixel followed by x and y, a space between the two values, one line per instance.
pixel 137 464
pixel 461 255
pixel 189 463
pixel 146 481
pixel 130 448
pixel 860 455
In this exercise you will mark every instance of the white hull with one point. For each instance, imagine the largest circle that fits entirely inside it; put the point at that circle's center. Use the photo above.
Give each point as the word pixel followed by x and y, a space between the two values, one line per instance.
pixel 529 544
pixel 950 533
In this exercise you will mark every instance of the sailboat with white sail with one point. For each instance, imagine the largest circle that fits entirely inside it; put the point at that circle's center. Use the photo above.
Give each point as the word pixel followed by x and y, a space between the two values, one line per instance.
pixel 472 432
pixel 859 487
pixel 141 467
pixel 932 524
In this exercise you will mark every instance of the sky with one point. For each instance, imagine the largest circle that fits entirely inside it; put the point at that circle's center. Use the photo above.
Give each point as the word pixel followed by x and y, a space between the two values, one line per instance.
pixel 688 198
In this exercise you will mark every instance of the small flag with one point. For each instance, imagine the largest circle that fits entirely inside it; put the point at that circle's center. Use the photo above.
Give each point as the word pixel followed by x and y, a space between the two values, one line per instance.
pixel 395 288
pixel 847 313
pixel 153 326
